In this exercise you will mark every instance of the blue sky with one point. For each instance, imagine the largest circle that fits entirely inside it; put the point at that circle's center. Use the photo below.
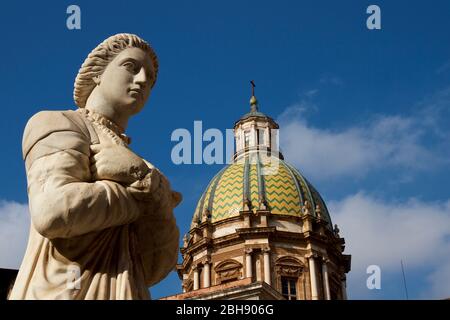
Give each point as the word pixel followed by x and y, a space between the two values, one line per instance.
pixel 363 114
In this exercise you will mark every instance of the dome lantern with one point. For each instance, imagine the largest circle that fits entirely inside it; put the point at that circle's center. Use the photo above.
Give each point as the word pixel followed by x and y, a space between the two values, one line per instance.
pixel 255 130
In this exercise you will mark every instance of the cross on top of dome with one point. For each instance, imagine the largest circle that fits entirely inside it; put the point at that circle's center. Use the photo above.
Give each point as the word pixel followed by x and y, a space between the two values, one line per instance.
pixel 253 100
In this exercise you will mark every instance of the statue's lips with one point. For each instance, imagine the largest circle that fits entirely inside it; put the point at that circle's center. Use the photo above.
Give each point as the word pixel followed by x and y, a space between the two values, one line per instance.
pixel 135 92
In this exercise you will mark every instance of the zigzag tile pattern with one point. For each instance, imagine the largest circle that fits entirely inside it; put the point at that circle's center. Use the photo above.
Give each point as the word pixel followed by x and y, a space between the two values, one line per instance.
pixel 281 192
pixel 311 194
pixel 280 188
pixel 204 204
pixel 228 197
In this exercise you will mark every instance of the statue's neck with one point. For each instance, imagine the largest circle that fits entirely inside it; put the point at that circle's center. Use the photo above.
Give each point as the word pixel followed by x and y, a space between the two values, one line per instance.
pixel 106 122
pixel 97 104
pixel 102 121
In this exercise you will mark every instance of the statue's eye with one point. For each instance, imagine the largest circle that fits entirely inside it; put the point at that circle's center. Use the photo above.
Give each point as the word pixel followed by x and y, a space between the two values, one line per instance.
pixel 130 66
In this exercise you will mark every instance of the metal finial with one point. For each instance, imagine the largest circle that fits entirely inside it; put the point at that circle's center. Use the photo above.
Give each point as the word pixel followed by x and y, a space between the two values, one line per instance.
pixel 253 101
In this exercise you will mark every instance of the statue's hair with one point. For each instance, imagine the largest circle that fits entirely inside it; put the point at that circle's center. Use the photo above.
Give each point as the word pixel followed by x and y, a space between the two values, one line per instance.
pixel 100 57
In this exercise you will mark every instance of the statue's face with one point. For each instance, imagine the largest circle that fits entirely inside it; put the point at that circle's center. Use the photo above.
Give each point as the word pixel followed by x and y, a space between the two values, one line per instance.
pixel 125 83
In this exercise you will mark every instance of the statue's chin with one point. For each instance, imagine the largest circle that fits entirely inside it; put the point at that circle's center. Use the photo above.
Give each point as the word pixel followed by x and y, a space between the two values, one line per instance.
pixel 130 104
pixel 134 108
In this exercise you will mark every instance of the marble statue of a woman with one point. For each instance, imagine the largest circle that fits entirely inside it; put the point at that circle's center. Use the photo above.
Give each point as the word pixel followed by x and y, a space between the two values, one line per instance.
pixel 102 217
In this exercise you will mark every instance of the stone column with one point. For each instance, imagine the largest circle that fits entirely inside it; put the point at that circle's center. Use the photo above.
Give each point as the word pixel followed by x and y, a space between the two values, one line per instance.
pixel 240 146
pixel 206 274
pixel 326 284
pixel 274 143
pixel 196 279
pixel 253 136
pixel 344 288
pixel 237 140
pixel 267 265
pixel 248 263
pixel 267 137
pixel 313 277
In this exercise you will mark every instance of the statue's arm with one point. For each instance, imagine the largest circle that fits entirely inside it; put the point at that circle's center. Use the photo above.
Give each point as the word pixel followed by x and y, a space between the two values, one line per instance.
pixel 64 201
pixel 159 243
pixel 158 234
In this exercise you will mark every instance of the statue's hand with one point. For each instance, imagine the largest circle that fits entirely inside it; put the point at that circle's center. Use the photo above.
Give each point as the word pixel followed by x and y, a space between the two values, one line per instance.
pixel 154 193
pixel 146 189
pixel 169 199
pixel 116 163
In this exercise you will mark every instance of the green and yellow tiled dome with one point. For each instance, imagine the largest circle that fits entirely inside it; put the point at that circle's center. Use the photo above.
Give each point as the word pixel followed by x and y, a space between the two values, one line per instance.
pixel 284 191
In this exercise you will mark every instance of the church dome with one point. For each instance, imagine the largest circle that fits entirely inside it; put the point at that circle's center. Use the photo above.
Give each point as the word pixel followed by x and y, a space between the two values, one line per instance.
pixel 285 191
pixel 260 230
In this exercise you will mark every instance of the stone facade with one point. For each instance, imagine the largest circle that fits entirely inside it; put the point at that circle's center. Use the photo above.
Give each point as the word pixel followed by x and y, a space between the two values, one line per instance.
pixel 266 253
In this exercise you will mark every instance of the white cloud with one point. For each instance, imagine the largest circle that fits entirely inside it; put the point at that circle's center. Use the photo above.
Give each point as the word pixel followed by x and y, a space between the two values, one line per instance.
pixel 383 142
pixel 14 228
pixel 439 281
pixel 382 233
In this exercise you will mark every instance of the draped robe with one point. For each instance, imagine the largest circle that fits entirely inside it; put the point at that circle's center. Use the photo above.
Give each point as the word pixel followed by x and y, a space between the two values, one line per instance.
pixel 89 239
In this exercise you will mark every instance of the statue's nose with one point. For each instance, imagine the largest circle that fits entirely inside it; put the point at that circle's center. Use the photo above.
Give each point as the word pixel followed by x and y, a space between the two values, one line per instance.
pixel 140 77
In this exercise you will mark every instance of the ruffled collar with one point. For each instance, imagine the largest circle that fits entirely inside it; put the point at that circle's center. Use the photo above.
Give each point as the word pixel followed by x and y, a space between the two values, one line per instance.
pixel 101 120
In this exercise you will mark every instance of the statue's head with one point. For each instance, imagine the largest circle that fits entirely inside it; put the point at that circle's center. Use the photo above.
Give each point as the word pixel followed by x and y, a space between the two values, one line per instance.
pixel 121 71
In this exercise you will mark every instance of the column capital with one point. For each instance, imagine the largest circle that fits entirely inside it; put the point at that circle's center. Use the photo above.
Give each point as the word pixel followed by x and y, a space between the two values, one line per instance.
pixel 266 249
pixel 206 260
pixel 311 255
pixel 248 250
pixel 325 259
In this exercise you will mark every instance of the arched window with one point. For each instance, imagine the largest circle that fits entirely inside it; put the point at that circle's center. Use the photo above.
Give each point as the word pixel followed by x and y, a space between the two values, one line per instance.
pixel 289 288
pixel 246 139
pixel 260 136
pixel 288 273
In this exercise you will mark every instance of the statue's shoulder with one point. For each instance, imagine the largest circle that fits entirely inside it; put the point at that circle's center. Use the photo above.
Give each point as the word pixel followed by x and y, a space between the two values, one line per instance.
pixel 56 119
pixel 44 123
